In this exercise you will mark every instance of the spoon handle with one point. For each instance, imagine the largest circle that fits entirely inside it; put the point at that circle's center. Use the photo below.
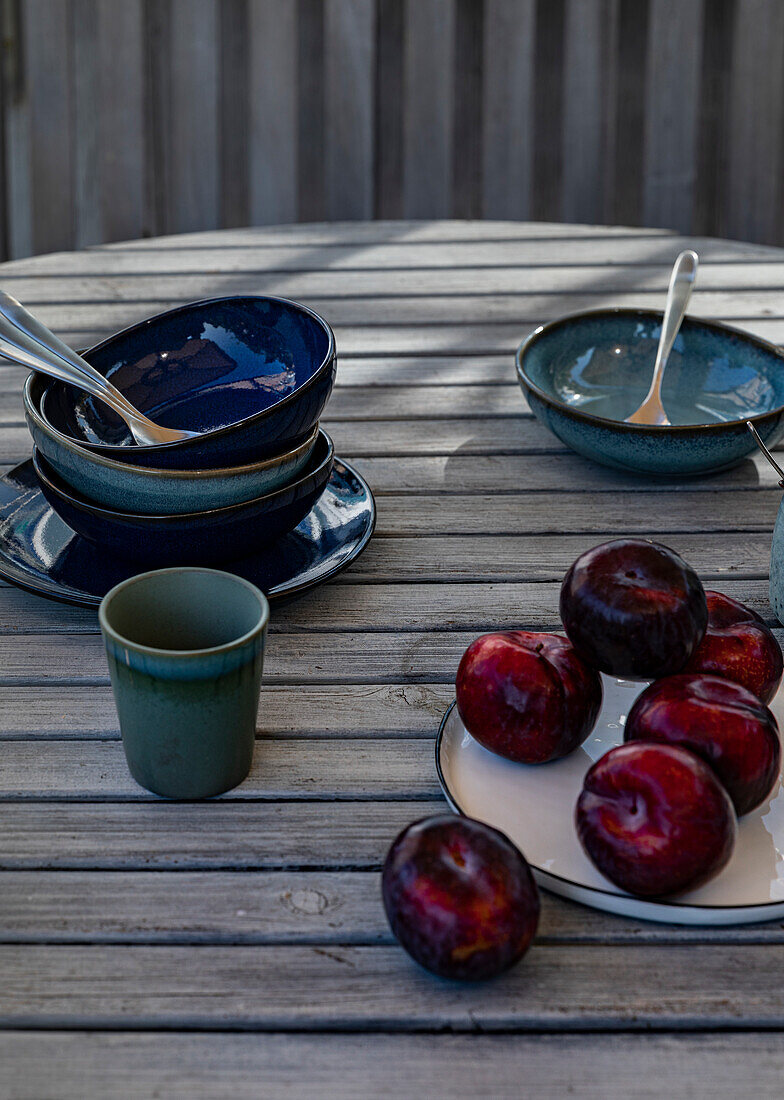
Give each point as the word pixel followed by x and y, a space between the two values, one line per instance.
pixel 12 347
pixel 652 411
pixel 19 347
pixel 758 440
pixel 678 294
pixel 22 319
pixel 39 338
pixel 27 340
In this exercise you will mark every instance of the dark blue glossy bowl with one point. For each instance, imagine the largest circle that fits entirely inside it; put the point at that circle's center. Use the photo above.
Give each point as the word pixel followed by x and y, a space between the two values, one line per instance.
pixel 196 538
pixel 584 374
pixel 252 374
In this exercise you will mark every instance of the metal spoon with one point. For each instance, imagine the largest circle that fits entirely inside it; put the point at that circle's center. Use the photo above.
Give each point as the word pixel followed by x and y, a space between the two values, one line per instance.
pixel 683 275
pixel 25 340
pixel 758 440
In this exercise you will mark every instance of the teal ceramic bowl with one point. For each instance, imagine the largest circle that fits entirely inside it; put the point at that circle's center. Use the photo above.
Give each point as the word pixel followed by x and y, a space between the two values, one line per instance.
pixel 584 374
pixel 149 491
pixel 194 538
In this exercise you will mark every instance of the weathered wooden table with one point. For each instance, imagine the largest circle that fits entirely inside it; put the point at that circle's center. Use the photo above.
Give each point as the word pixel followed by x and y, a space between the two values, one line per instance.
pixel 239 947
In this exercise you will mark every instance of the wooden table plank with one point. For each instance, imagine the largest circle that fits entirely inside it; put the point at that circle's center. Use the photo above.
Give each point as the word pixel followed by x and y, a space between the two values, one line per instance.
pixel 200 836
pixel 515 473
pixel 512 468
pixel 386 607
pixel 670 516
pixel 312 710
pixel 288 769
pixel 354 1067
pixel 354 987
pixel 435 339
pixel 386 229
pixel 633 249
pixel 538 557
pixel 37 288
pixel 275 907
pixel 462 312
pixel 412 657
pixel 678 518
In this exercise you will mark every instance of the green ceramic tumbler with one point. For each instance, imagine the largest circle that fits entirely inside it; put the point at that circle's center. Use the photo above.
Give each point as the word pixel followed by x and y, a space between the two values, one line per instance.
pixel 185 650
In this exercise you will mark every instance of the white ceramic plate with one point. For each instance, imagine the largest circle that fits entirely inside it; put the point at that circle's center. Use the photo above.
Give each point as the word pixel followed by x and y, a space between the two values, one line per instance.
pixel 534 806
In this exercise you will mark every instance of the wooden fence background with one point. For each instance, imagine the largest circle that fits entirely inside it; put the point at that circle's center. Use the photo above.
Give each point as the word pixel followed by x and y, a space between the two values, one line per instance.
pixel 126 118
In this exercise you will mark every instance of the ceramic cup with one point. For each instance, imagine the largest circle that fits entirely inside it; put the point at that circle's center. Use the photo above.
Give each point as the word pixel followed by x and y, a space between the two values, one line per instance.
pixel 185 650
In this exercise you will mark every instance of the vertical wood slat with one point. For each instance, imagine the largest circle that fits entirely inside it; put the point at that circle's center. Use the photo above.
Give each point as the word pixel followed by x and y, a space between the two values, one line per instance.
pixel 388 169
pixel 548 105
pixel 48 40
pixel 428 108
pixel 16 134
pixel 233 112
pixel 589 58
pixel 273 111
pixel 88 189
pixel 672 101
pixel 632 38
pixel 193 198
pixel 756 122
pixel 121 110
pixel 467 119
pixel 7 63
pixel 713 140
pixel 108 120
pixel 311 112
pixel 157 116
pixel 507 108
pixel 349 36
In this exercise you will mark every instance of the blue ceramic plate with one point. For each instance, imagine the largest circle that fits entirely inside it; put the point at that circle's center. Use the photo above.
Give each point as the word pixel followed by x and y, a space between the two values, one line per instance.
pixel 39 553
pixel 250 373
pixel 584 374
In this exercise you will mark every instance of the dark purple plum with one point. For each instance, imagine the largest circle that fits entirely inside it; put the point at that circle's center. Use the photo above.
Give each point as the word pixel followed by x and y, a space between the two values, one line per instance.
pixel 459 897
pixel 739 646
pixel 655 819
pixel 727 726
pixel 633 608
pixel 528 697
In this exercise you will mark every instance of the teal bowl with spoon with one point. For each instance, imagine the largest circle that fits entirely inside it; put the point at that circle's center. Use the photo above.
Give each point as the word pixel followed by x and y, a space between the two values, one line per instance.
pixel 585 374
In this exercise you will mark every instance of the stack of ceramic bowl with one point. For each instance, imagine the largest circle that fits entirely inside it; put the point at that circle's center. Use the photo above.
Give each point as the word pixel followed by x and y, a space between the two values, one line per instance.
pixel 250 375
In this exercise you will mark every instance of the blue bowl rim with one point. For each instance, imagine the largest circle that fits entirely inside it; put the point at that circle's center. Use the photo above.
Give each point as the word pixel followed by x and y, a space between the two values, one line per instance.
pixel 639 429
pixel 214 433
pixel 82 503
pixel 34 413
